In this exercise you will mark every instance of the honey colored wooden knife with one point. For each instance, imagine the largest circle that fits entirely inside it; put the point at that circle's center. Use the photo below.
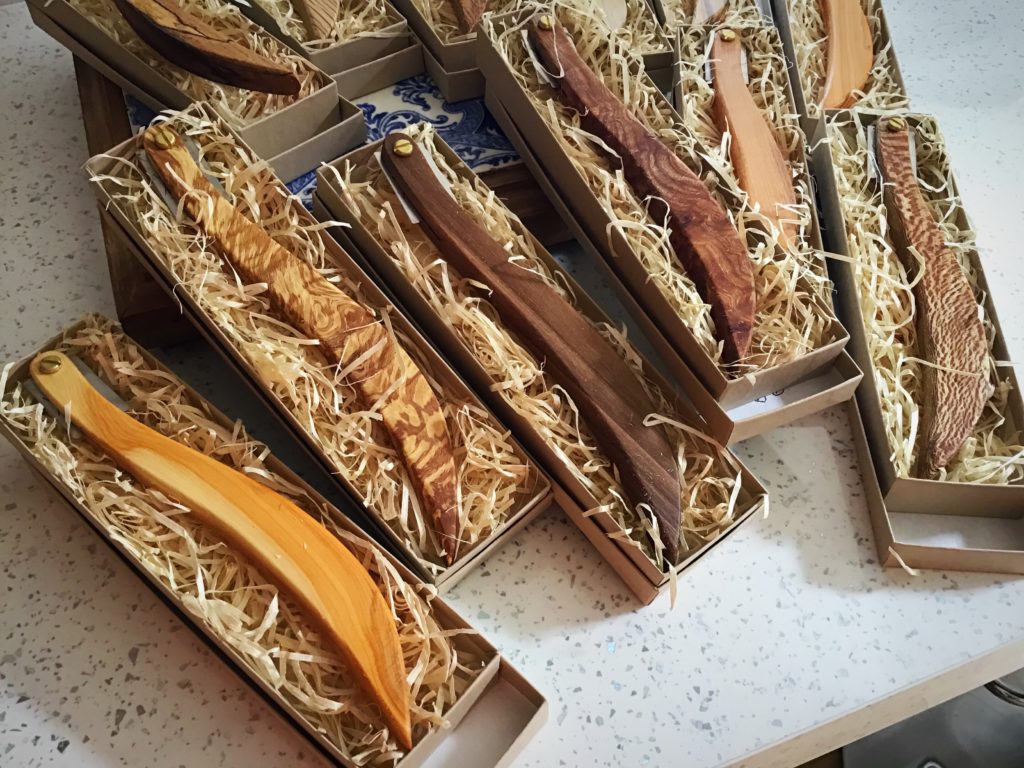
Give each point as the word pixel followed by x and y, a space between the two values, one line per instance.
pixel 603 387
pixel 704 240
pixel 286 544
pixel 350 335
pixel 955 384
pixel 186 40
pixel 761 169
pixel 850 53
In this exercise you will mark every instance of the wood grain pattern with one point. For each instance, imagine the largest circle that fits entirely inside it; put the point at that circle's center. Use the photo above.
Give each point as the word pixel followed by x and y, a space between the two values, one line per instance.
pixel 850 53
pixel 603 387
pixel 761 169
pixel 468 13
pixel 350 336
pixel 287 545
pixel 952 336
pixel 183 38
pixel 318 16
pixel 704 240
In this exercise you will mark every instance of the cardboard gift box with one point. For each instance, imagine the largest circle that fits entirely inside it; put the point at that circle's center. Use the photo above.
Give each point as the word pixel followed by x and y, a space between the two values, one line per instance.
pixel 384 491
pixel 127 516
pixel 450 57
pixel 637 569
pixel 855 227
pixel 734 407
pixel 294 138
pixel 803 34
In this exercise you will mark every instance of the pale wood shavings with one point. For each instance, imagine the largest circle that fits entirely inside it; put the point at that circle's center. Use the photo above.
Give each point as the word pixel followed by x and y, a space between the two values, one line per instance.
pixel 494 478
pixel 790 319
pixel 709 474
pixel 220 587
pixel 356 18
pixel 994 453
pixel 237 105
pixel 810 44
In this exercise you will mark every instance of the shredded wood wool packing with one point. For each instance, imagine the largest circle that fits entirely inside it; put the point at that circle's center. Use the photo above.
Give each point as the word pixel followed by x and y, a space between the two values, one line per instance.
pixel 790 318
pixel 810 44
pixel 994 453
pixel 356 18
pixel 641 34
pixel 218 586
pixel 495 480
pixel 238 106
pixel 679 12
pixel 709 474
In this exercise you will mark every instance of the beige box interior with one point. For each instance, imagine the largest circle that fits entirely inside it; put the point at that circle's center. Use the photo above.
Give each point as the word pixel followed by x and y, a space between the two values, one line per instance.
pixel 497 680
pixel 905 495
pixel 642 577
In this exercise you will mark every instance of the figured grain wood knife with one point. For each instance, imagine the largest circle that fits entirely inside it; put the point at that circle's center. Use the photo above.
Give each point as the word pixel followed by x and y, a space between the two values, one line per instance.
pixel 704 240
pixel 850 53
pixel 761 169
pixel 955 386
pixel 603 387
pixel 350 335
pixel 185 39
pixel 286 544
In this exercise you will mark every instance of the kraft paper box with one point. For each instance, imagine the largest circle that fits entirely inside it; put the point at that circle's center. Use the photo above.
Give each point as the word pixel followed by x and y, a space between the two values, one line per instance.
pixel 531 496
pixel 639 573
pixel 495 681
pixel 733 408
pixel 905 494
pixel 313 129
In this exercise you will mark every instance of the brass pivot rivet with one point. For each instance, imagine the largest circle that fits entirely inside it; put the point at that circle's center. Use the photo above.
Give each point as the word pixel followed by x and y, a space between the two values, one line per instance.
pixel 546 22
pixel 402 148
pixel 162 136
pixel 896 124
pixel 49 364
pixel 727 35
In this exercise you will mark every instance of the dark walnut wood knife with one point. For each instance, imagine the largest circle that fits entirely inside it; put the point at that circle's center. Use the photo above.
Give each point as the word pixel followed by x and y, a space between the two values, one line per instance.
pixel 468 13
pixel 185 39
pixel 950 331
pixel 606 391
pixel 704 240
pixel 349 334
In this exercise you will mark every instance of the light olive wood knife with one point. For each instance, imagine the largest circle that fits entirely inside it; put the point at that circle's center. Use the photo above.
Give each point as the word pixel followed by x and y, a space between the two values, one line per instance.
pixel 185 39
pixel 350 335
pixel 601 384
pixel 704 240
pixel 951 333
pixel 290 547
pixel 850 53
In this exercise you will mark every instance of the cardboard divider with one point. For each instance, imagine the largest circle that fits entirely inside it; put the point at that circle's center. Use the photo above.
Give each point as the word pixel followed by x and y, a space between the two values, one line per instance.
pixel 496 672
pixel 538 499
pixel 908 495
pixel 638 572
pixel 300 135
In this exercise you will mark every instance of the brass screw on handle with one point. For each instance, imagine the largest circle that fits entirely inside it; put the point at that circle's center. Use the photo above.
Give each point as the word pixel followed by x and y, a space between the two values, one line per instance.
pixel 402 148
pixel 162 136
pixel 727 35
pixel 545 22
pixel 49 364
pixel 896 124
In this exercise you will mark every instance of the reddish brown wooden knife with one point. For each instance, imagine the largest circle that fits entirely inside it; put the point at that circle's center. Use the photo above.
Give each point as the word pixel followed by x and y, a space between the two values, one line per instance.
pixel 468 13
pixel 603 387
pixel 704 240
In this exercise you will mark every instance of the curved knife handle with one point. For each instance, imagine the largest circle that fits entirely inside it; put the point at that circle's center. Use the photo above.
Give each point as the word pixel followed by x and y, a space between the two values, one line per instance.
pixel 761 169
pixel 851 52
pixel 185 39
pixel 383 373
pixel 956 386
pixel 285 543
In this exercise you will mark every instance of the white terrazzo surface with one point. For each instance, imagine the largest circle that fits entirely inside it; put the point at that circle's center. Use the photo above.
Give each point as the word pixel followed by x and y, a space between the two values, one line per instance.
pixel 787 625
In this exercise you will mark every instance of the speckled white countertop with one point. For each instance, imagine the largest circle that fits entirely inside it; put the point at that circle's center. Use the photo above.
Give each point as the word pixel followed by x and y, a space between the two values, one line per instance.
pixel 788 637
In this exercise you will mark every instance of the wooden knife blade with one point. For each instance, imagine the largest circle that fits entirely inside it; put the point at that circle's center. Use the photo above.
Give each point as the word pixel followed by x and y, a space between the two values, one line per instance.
pixel 349 334
pixel 850 54
pixel 468 13
pixel 318 16
pixel 299 554
pixel 186 40
pixel 761 169
pixel 952 335
pixel 704 240
pixel 601 384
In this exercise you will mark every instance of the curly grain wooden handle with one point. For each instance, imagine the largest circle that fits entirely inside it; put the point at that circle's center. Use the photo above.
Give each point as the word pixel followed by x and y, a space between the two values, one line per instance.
pixel 704 240
pixel 349 334
pixel 956 386
pixel 285 543
pixel 850 53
